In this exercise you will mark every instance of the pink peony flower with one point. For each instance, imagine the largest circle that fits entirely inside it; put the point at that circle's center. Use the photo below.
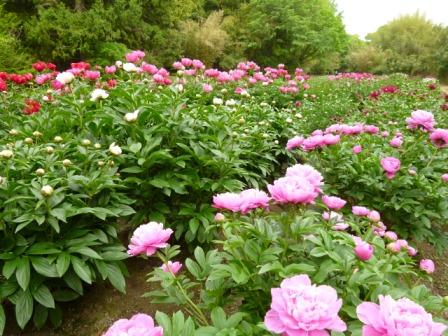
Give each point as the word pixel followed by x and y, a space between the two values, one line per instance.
pixel 207 88
pixel 171 267
pixel 135 56
pixel 110 69
pixel 137 325
pixel 394 247
pixel 396 142
pixel 307 172
pixel 360 211
pixel 374 216
pixel 92 75
pixel 391 166
pixel 300 308
pixel 253 199
pixel 227 201
pixel 294 142
pixel 445 177
pixel 401 317
pixel 293 189
pixel 357 149
pixel 147 238
pixel 364 251
pixel 421 119
pixel 333 202
pixel 439 137
pixel 427 265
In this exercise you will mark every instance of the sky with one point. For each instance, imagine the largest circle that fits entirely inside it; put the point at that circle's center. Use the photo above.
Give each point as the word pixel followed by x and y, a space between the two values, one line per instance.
pixel 366 16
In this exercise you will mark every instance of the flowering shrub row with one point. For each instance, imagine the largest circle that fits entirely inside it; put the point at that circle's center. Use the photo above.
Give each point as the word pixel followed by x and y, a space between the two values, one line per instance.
pixel 82 147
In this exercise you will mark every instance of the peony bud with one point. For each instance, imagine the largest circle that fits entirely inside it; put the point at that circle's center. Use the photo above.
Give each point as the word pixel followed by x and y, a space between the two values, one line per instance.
pixel 114 149
pixel 58 139
pixel 66 162
pixel 47 190
pixel 28 141
pixel 86 142
pixel 13 132
pixel 97 145
pixel 427 265
pixel 219 217
pixel 49 150
pixel 364 251
pixel 40 172
pixel 37 134
pixel 101 163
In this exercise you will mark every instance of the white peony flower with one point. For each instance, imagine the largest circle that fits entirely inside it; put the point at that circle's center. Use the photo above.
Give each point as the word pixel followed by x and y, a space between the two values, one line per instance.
pixel 114 149
pixel 130 67
pixel 218 101
pixel 131 117
pixel 230 102
pixel 65 77
pixel 119 64
pixel 98 94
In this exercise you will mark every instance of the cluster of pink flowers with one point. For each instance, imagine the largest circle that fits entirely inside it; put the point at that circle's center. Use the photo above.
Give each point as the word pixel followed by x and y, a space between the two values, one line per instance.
pixel 19 79
pixel 401 317
pixel 344 129
pixel 351 75
pixel 300 308
pixel 241 202
pixel 316 140
pixel 135 56
pixel 397 140
pixel 423 120
pixel 301 185
pixel 147 238
pixel 137 325
pixel 390 166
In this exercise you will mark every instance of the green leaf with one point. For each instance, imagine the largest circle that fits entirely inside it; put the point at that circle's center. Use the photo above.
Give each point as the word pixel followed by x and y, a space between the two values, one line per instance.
pixel 218 317
pixel 40 316
pixel 43 248
pixel 116 277
pixel 62 263
pixel 135 147
pixel 24 308
pixel 9 268
pixel 2 319
pixel 43 266
pixel 43 295
pixel 87 251
pixel 23 272
pixel 81 269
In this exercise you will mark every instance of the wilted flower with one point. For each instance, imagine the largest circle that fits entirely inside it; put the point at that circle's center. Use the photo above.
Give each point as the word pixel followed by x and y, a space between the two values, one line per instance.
pixel 137 325
pixel 401 317
pixel 147 238
pixel 300 308
pixel 427 265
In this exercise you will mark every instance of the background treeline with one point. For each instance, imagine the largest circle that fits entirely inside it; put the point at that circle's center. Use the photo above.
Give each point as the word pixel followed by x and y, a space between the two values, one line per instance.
pixel 306 33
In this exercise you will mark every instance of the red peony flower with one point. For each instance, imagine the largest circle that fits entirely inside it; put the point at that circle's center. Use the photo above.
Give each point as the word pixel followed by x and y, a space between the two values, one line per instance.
pixel 39 66
pixel 31 106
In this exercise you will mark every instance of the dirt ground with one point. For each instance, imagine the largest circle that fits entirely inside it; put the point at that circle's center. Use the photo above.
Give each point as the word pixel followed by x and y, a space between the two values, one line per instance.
pixel 101 306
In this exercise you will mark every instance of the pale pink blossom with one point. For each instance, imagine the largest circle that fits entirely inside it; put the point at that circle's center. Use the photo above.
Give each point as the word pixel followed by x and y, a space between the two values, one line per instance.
pixel 391 166
pixel 147 238
pixel 421 119
pixel 293 189
pixel 427 265
pixel 171 267
pixel 299 308
pixel 333 202
pixel 137 325
pixel 401 317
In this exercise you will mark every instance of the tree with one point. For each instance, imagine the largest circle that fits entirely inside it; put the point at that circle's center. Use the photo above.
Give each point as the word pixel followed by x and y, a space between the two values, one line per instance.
pixel 411 42
pixel 294 32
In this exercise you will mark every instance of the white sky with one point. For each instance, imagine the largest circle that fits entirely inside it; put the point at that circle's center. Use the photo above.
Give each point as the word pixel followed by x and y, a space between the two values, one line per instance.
pixel 366 16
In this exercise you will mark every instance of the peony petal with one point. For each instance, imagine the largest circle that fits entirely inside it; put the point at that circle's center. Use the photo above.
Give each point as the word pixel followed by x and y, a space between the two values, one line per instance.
pixel 438 329
pixel 369 313
pixel 272 322
pixel 318 333
pixel 369 331
pixel 296 281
